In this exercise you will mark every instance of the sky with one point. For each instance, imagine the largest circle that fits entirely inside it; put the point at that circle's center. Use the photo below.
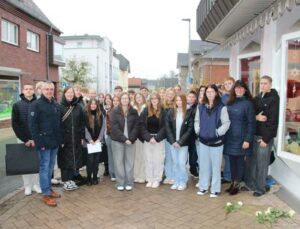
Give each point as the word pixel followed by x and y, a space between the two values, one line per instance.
pixel 148 33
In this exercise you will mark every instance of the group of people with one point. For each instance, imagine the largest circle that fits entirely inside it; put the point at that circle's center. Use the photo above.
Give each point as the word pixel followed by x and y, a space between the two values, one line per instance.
pixel 151 137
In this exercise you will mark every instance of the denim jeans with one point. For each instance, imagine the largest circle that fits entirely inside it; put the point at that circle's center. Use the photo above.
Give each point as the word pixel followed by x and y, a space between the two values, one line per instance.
pixel 210 161
pixel 179 158
pixel 111 169
pixel 226 170
pixel 47 162
pixel 123 156
pixel 257 166
pixel 168 161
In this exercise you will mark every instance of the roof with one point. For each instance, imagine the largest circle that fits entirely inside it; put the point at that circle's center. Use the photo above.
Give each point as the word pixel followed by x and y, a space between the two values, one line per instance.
pixel 218 53
pixel 134 81
pixel 30 8
pixel 81 37
pixel 201 47
pixel 124 63
pixel 182 60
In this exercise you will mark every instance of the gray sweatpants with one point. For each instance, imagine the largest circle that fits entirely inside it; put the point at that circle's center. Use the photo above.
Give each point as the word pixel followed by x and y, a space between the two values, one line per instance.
pixel 123 157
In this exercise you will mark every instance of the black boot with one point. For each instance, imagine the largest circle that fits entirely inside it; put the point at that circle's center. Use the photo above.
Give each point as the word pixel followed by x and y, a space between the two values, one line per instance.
pixel 106 173
pixel 235 189
pixel 230 187
pixel 89 181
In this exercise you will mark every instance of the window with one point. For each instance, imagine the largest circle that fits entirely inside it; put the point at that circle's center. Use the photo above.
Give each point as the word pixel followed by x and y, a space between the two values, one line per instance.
pixel 250 73
pixel 58 51
pixel 9 32
pixel 9 94
pixel 292 115
pixel 79 44
pixel 33 41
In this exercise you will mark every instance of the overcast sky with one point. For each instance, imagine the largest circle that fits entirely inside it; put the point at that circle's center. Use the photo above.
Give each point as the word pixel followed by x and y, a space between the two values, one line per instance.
pixel 148 33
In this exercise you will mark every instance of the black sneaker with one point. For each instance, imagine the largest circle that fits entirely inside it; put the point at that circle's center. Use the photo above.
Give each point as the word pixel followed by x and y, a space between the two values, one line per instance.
pixel 257 194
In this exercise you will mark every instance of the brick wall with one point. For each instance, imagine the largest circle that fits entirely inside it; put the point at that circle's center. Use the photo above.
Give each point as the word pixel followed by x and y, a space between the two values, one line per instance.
pixel 5 123
pixel 215 74
pixel 32 64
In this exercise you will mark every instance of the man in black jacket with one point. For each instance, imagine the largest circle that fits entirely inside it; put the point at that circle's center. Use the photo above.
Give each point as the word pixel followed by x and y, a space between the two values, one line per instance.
pixel 20 126
pixel 46 129
pixel 267 115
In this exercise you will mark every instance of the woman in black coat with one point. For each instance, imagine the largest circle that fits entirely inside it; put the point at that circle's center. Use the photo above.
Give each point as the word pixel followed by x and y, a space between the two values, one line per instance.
pixel 239 137
pixel 70 155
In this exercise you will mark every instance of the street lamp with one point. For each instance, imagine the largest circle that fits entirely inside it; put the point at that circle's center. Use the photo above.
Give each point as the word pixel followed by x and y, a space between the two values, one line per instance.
pixel 189 77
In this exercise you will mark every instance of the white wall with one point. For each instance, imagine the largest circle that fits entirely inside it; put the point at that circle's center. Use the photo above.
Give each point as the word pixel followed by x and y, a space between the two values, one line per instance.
pixel 269 37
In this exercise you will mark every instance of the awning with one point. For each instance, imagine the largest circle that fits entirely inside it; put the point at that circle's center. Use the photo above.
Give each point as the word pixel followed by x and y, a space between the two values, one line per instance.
pixel 276 10
pixel 10 71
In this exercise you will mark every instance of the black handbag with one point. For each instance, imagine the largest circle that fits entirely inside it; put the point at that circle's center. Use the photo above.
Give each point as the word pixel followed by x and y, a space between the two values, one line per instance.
pixel 20 160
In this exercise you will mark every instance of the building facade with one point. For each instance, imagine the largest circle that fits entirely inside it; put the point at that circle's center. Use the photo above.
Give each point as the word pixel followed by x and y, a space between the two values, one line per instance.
pixel 264 39
pixel 30 51
pixel 98 52
pixel 124 71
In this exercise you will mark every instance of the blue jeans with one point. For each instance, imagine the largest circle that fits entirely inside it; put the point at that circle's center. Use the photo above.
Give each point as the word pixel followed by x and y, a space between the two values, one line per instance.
pixel 210 161
pixel 226 171
pixel 179 158
pixel 47 162
pixel 169 173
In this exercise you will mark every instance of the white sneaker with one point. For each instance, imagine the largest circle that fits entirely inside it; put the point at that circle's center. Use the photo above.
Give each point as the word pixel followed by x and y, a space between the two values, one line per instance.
pixel 155 184
pixel 174 186
pixel 149 184
pixel 181 187
pixel 68 186
pixel 171 181
pixel 197 185
pixel 214 195
pixel 55 181
pixel 128 187
pixel 37 189
pixel 202 192
pixel 113 179
pixel 28 191
pixel 75 186
pixel 166 181
pixel 120 188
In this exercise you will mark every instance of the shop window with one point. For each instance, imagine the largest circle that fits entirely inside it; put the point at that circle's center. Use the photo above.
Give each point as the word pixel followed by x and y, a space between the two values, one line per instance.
pixel 9 94
pixel 292 117
pixel 250 73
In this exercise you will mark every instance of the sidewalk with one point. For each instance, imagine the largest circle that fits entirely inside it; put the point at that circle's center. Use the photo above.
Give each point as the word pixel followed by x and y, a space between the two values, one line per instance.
pixel 8 183
pixel 102 206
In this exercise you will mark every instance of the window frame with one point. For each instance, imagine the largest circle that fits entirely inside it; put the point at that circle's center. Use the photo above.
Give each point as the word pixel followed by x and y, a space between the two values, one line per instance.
pixel 38 41
pixel 16 27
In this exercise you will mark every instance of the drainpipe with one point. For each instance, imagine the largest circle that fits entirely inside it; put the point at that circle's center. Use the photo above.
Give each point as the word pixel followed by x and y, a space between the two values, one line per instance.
pixel 47 52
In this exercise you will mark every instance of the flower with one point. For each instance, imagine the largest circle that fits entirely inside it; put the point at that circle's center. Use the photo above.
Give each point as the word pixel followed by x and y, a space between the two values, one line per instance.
pixel 258 213
pixel 228 204
pixel 268 211
pixel 240 203
pixel 291 213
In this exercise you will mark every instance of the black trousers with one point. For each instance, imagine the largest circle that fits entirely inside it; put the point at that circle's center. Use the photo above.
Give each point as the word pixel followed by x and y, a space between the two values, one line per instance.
pixel 67 174
pixel 193 160
pixel 237 167
pixel 92 165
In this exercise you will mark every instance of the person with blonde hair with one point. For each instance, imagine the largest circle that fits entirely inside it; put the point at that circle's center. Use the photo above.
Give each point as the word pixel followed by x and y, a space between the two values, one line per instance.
pixel 179 130
pixel 153 133
pixel 139 158
pixel 168 105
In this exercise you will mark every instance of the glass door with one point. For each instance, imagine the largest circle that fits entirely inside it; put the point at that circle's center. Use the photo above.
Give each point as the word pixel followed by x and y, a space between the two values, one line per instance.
pixel 250 73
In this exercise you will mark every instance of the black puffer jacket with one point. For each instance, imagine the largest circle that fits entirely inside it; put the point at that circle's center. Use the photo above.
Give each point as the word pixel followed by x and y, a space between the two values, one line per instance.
pixel 117 123
pixel 45 123
pixel 19 118
pixel 269 105
pixel 70 156
pixel 186 131
pixel 145 134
